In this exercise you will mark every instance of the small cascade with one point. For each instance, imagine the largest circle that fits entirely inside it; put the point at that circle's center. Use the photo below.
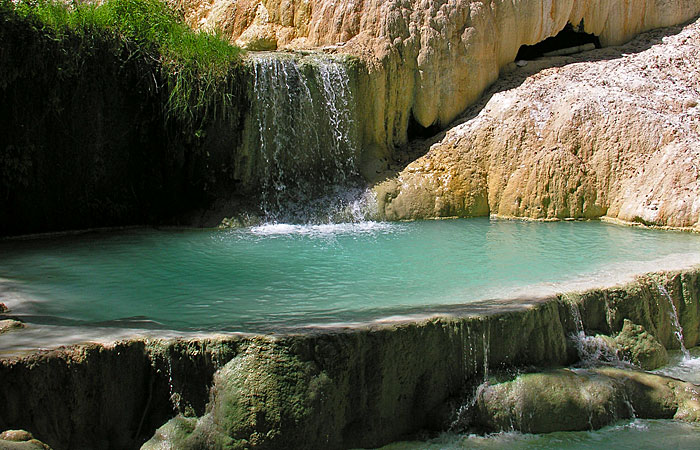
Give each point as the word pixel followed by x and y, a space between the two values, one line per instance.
pixel 592 350
pixel 463 414
pixel 487 343
pixel 302 137
pixel 174 396
pixel 675 322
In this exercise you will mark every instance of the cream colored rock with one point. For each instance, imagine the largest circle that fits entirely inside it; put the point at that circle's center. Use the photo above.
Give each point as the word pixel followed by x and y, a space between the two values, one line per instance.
pixel 613 132
pixel 261 34
pixel 20 440
pixel 428 59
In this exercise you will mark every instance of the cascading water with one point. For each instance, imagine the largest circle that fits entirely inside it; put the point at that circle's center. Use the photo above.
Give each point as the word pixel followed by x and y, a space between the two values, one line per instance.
pixel 678 329
pixel 487 344
pixel 592 350
pixel 302 135
pixel 463 414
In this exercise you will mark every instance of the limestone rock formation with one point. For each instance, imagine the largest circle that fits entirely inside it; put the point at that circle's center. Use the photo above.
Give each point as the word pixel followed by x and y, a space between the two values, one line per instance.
pixel 612 132
pixel 427 59
pixel 639 347
pixel 265 398
pixel 20 440
pixel 571 400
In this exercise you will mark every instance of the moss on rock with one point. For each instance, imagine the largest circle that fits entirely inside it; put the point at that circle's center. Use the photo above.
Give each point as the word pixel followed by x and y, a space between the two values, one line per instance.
pixel 567 400
pixel 640 347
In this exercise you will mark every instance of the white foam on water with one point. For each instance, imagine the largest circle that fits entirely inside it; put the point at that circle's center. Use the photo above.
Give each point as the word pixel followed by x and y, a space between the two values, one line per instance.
pixel 330 229
pixel 686 368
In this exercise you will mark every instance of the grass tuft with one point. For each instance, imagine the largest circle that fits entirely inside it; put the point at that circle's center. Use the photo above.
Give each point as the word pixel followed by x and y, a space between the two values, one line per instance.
pixel 198 68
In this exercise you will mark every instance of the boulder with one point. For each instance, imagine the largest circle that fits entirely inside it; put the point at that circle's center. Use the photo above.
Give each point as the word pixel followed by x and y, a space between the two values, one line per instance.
pixel 20 440
pixel 639 347
pixel 577 400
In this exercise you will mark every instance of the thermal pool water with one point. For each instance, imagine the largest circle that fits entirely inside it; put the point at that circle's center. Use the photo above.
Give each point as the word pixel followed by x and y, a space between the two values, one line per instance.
pixel 282 277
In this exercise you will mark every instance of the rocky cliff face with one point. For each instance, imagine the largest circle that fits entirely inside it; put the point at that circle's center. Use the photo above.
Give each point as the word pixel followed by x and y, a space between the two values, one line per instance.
pixel 427 59
pixel 612 132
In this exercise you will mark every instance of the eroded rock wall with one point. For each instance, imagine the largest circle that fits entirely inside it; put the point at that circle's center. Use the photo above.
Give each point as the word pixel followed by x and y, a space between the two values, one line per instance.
pixel 107 397
pixel 348 388
pixel 612 132
pixel 428 59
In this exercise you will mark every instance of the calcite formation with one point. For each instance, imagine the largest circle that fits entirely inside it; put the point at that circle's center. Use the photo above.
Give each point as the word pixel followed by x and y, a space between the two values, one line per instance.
pixel 614 132
pixel 426 59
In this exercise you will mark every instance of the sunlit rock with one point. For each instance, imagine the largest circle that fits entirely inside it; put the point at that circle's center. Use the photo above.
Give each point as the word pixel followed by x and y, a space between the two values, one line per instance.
pixel 573 400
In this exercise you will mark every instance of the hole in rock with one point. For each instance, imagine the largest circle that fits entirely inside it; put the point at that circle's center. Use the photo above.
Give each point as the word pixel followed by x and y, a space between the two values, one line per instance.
pixel 418 131
pixel 567 42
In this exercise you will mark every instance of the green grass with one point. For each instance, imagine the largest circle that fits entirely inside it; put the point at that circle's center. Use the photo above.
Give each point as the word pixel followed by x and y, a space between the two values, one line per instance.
pixel 198 68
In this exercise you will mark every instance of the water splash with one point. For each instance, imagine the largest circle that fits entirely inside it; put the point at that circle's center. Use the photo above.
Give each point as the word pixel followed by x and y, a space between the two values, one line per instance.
pixel 174 396
pixel 682 367
pixel 592 350
pixel 304 135
pixel 673 313
pixel 329 229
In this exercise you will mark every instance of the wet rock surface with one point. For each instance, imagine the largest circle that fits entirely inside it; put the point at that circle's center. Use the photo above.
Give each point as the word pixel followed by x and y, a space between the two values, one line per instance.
pixel 640 347
pixel 427 60
pixel 7 325
pixel 583 399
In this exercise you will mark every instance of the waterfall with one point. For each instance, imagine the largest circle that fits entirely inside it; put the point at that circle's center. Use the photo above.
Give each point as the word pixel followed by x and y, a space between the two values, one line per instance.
pixel 678 329
pixel 463 414
pixel 302 135
pixel 487 344
pixel 592 350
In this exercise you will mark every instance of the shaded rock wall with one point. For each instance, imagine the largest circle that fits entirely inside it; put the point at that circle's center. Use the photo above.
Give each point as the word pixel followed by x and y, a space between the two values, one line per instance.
pixel 612 132
pixel 428 59
pixel 348 388
pixel 85 139
pixel 107 397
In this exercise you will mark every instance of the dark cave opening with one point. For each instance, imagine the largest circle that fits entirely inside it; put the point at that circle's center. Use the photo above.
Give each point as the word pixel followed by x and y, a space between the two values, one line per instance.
pixel 418 131
pixel 568 38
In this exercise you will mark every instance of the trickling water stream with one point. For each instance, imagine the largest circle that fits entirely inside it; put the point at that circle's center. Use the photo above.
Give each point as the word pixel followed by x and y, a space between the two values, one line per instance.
pixel 678 329
pixel 592 350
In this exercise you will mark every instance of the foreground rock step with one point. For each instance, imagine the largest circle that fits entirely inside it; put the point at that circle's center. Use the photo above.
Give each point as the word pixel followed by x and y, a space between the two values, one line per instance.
pixel 345 388
pixel 613 132
pixel 583 399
